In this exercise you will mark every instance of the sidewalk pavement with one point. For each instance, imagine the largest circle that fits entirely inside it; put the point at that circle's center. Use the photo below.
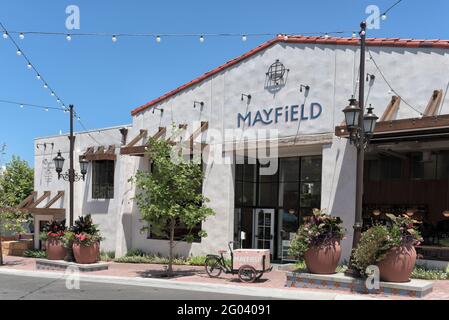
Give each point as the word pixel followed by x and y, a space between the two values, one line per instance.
pixel 194 278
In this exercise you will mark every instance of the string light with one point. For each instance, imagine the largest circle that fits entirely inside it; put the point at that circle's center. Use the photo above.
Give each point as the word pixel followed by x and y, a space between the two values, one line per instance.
pixel 201 39
pixel 354 35
pixel 23 104
pixel 326 36
pixel 114 38
pixel 38 76
pixel 68 37
pixel 29 66
pixel 158 38
pixel 21 36
pixel 5 35
pixel 19 52
pixel 384 17
pixel 244 38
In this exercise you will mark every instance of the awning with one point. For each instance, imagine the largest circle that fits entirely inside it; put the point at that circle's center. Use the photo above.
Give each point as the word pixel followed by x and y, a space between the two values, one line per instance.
pixel 426 128
pixel 30 204
pixel 100 154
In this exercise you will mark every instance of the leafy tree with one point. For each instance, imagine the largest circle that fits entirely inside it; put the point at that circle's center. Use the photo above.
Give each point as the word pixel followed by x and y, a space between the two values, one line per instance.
pixel 169 196
pixel 16 183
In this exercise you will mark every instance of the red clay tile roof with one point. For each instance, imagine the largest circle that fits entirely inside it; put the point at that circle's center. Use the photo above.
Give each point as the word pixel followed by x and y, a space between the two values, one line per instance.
pixel 377 42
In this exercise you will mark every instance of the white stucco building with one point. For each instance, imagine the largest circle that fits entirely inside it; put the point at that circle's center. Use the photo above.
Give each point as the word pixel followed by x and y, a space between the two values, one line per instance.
pixel 299 87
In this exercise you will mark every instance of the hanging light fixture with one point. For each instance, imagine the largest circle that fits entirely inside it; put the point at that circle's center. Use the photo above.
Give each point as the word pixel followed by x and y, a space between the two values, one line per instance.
pixel 19 53
pixel 21 36
pixel 29 66
pixel 68 37
pixel 5 35
pixel 369 121
pixel 158 39
pixel 352 114
pixel 114 38
pixel 244 38
pixel 377 212
pixel 201 39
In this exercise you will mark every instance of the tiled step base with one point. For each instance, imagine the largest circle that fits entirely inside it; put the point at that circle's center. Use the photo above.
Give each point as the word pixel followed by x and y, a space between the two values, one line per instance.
pixel 339 281
pixel 44 264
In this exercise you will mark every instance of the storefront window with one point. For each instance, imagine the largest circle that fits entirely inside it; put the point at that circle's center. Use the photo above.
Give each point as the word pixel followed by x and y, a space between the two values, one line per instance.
pixel 310 186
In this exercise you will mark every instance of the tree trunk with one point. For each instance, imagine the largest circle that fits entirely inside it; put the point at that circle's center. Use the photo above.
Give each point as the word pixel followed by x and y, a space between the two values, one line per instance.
pixel 172 237
pixel 1 250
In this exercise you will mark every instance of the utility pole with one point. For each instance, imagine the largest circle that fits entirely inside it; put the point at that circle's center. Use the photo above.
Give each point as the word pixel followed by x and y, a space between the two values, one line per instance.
pixel 71 169
pixel 361 148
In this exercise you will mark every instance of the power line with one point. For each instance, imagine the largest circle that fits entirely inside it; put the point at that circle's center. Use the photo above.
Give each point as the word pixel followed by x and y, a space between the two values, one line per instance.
pixel 390 86
pixel 24 104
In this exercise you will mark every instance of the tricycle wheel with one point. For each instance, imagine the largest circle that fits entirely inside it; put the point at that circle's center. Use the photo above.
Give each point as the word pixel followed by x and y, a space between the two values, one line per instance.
pixel 247 274
pixel 213 267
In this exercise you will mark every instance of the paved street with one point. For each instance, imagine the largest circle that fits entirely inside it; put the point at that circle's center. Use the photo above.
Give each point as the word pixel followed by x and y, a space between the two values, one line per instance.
pixel 28 288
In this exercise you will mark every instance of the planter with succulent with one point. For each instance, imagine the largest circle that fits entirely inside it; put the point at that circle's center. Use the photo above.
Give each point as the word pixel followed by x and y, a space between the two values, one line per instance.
pixel 86 238
pixel 53 234
pixel 391 247
pixel 318 242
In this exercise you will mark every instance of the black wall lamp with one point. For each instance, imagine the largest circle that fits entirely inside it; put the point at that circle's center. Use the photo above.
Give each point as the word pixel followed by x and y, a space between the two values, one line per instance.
pixel 247 96
pixel 200 103
pixel 370 77
pixel 159 109
pixel 70 175
pixel 304 87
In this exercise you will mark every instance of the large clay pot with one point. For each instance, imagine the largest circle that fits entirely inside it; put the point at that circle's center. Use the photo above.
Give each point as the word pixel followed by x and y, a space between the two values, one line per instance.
pixel 323 259
pixel 398 265
pixel 86 254
pixel 55 249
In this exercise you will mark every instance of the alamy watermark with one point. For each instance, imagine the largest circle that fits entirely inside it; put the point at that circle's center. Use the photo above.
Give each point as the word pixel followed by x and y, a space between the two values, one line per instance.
pixel 73 20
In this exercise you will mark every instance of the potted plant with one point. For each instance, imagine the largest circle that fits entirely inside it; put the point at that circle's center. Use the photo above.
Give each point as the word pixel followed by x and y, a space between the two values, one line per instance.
pixel 318 242
pixel 86 239
pixel 391 247
pixel 53 234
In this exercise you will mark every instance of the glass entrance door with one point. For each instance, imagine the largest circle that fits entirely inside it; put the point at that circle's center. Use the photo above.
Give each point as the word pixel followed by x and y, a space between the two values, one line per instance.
pixel 263 222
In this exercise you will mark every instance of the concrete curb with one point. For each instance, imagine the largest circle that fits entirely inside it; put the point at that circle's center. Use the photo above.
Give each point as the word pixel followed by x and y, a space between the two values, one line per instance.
pixel 194 286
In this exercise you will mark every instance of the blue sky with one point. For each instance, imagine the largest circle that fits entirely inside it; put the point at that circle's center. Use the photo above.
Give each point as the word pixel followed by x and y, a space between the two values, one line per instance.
pixel 107 80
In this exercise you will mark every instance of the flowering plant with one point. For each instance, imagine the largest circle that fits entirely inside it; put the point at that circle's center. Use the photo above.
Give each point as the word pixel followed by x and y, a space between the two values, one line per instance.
pixel 84 231
pixel 319 229
pixel 378 240
pixel 53 230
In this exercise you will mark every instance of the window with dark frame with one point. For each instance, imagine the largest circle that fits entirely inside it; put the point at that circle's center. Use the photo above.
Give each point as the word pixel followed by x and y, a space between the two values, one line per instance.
pixel 103 179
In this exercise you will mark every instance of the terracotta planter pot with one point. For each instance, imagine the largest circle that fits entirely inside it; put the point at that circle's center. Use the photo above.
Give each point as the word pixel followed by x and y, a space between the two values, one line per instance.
pixel 398 265
pixel 323 259
pixel 86 254
pixel 55 249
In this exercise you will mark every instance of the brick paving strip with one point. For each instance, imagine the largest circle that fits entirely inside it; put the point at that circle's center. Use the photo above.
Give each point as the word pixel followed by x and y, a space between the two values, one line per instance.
pixel 196 274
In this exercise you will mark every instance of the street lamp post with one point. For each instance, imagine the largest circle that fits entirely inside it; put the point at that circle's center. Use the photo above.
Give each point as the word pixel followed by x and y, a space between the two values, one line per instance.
pixel 71 176
pixel 361 128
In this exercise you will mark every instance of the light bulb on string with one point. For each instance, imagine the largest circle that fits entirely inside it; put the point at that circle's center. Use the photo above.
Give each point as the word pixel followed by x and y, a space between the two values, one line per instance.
pixel 46 109
pixel 19 53
pixel 21 106
pixel 5 35
pixel 38 77
pixel 354 35
pixel 45 86
pixel 52 94
pixel 68 37
pixel 21 36
pixel 114 38
pixel 326 36
pixel 29 66
pixel 384 17
pixel 202 39
pixel 158 39
pixel 244 38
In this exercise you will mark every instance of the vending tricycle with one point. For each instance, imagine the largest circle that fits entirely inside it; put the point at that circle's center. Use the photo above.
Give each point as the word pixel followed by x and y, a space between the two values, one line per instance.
pixel 249 264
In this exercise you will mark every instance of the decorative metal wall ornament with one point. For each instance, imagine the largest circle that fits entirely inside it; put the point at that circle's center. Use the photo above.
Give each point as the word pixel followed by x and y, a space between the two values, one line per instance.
pixel 276 76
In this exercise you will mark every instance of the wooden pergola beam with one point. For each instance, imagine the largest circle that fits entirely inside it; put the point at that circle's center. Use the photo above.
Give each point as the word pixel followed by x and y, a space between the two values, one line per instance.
pixel 28 200
pixel 38 201
pixel 140 150
pixel 200 130
pixel 434 103
pixel 59 195
pixel 46 211
pixel 139 137
pixel 392 109
pixel 404 125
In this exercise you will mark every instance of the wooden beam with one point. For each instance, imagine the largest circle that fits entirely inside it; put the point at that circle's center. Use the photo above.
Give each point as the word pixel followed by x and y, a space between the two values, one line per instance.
pixel 55 198
pixel 404 125
pixel 38 201
pixel 140 136
pixel 46 211
pixel 200 130
pixel 27 201
pixel 160 133
pixel 392 109
pixel 434 103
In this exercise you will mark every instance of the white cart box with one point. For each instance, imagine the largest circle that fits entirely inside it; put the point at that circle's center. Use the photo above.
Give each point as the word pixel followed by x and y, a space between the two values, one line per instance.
pixel 252 257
